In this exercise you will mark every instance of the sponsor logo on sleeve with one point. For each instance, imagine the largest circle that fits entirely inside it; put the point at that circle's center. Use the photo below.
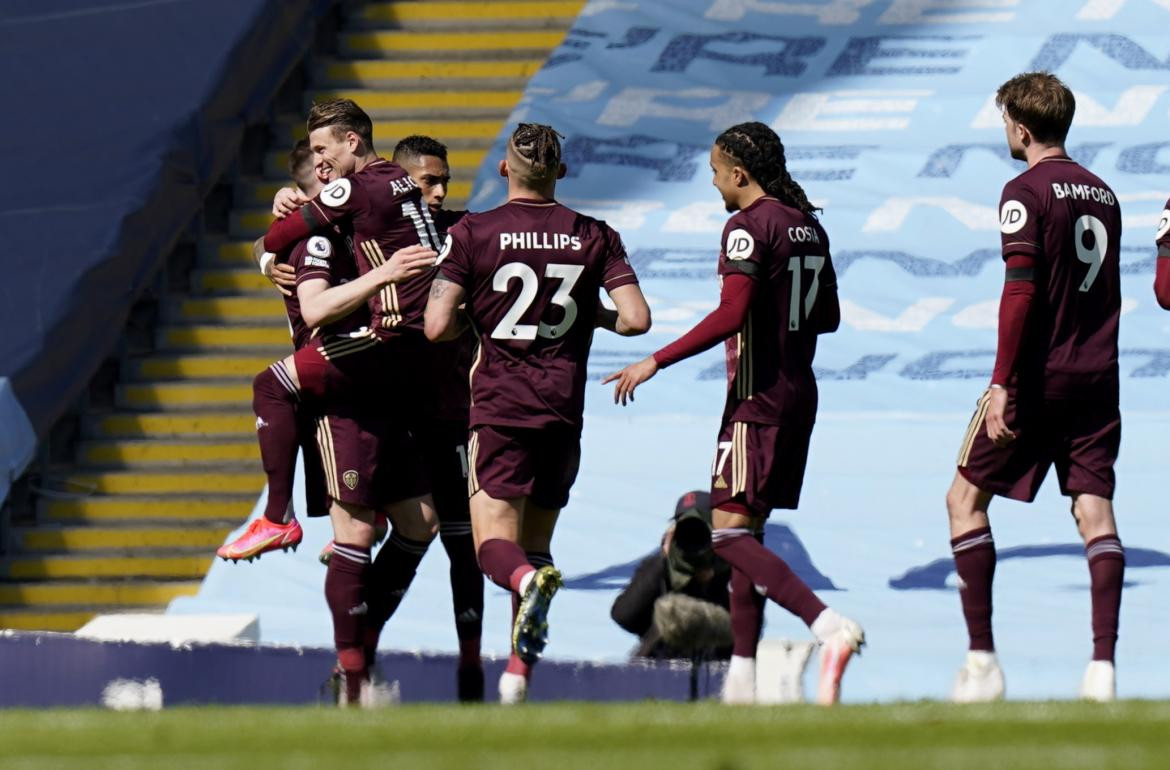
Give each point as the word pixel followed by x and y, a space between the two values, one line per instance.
pixel 314 262
pixel 740 244
pixel 1163 224
pixel 320 247
pixel 1012 217
pixel 445 250
pixel 336 193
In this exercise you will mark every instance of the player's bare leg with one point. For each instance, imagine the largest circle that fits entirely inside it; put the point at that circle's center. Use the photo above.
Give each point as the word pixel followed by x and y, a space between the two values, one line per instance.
pixel 414 525
pixel 346 593
pixel 981 678
pixel 840 637
pixel 1106 557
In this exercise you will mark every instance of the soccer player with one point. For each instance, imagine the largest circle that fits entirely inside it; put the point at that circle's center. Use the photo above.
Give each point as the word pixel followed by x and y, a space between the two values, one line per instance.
pixel 382 205
pixel 779 292
pixel 1053 396
pixel 283 424
pixel 530 272
pixel 1162 276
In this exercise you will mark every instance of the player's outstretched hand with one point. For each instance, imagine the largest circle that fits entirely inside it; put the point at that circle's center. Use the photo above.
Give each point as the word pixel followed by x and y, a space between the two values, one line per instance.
pixel 283 277
pixel 406 263
pixel 286 201
pixel 630 378
pixel 997 429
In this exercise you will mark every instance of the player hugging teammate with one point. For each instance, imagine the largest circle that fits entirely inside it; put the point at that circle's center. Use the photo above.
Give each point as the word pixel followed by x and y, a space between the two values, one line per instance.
pixel 492 315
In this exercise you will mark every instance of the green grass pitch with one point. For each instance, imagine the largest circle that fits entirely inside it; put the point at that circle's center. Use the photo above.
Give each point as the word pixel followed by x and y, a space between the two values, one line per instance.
pixel 568 736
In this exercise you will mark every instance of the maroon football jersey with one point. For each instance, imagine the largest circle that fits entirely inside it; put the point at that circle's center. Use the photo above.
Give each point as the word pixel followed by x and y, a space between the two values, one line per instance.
pixel 1069 222
pixel 326 258
pixel 1163 235
pixel 769 361
pixel 384 207
pixel 532 272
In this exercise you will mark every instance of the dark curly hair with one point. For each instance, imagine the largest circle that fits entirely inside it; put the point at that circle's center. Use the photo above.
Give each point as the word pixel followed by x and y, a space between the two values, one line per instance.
pixel 758 149
pixel 416 145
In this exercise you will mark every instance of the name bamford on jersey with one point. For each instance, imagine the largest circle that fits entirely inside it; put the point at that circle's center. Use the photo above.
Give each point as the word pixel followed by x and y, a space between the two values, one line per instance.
pixel 539 241
pixel 1083 192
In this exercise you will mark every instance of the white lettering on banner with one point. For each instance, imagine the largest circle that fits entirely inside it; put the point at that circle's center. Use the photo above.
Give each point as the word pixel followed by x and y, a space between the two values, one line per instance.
pixel 699 217
pixel 585 92
pixel 1103 10
pixel 912 319
pixel 632 104
pixel 620 214
pixel 1132 108
pixel 928 12
pixel 594 7
pixel 892 213
pixel 832 12
pixel 810 112
pixel 981 315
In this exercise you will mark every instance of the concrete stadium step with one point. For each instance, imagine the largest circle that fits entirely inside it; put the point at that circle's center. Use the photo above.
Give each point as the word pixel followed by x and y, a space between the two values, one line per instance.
pixel 140 510
pixel 440 15
pixel 205 337
pixel 38 619
pixel 458 103
pixel 492 45
pixel 215 394
pixel 158 425
pixel 464 165
pixel 136 540
pixel 113 594
pixel 189 566
pixel 426 75
pixel 463 134
pixel 158 453
pixel 203 483
pixel 195 366
pixel 244 279
pixel 248 308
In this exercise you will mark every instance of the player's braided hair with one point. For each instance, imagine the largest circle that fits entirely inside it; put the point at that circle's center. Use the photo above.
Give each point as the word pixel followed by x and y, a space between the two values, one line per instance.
pixel 756 148
pixel 540 147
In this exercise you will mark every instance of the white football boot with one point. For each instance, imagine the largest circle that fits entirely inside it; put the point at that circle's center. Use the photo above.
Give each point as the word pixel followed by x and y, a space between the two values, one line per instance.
pixel 840 638
pixel 739 685
pixel 513 688
pixel 980 680
pixel 1099 682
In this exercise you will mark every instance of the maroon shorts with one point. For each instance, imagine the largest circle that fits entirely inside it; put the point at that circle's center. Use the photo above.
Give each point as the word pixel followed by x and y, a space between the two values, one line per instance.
pixel 538 463
pixel 1080 437
pixel 316 495
pixel 367 461
pixel 760 466
pixel 444 450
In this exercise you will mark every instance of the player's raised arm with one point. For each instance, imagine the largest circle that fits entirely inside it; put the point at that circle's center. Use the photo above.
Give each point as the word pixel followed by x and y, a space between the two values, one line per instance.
pixel 322 304
pixel 282 276
pixel 1162 272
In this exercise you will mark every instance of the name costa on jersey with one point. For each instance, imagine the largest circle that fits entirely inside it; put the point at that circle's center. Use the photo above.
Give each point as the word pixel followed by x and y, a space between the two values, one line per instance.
pixel 559 241
pixel 1083 192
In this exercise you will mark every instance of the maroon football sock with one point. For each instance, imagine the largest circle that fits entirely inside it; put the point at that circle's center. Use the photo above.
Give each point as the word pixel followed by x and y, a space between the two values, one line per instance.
pixel 345 589
pixel 390 577
pixel 975 564
pixel 764 568
pixel 274 400
pixel 466 584
pixel 1106 574
pixel 747 615
pixel 504 563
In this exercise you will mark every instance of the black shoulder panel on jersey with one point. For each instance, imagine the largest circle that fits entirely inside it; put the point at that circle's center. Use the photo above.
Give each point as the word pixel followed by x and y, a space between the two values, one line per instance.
pixel 1021 274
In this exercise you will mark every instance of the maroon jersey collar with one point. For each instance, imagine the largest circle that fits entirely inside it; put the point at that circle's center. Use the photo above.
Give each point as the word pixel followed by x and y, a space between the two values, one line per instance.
pixel 532 202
